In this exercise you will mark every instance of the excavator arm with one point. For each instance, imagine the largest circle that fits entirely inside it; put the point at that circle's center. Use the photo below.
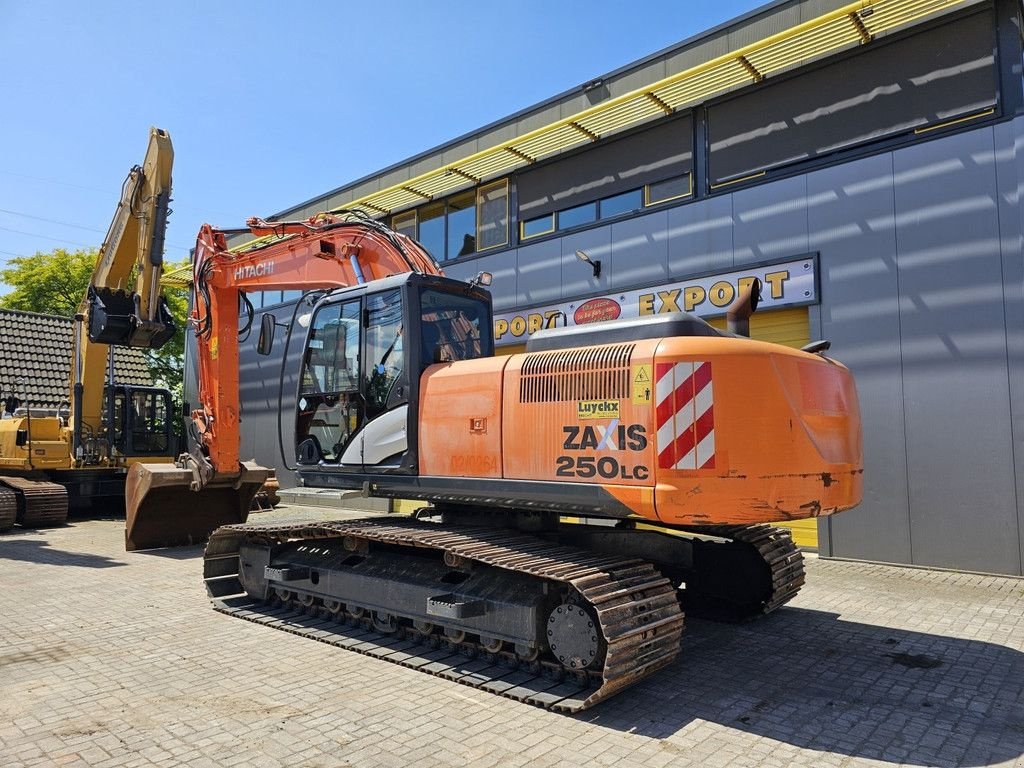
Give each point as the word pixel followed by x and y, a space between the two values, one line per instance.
pixel 324 252
pixel 114 312
pixel 135 243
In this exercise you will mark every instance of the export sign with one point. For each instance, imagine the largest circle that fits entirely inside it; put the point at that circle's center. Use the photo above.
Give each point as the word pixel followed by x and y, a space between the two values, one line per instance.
pixel 784 284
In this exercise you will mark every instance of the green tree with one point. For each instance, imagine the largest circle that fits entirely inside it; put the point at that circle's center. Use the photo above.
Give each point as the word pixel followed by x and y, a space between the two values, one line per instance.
pixel 55 283
pixel 49 283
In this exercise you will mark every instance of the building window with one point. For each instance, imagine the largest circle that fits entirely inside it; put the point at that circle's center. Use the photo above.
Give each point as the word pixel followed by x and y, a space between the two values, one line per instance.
pixel 577 216
pixel 492 215
pixel 605 208
pixel 431 229
pixel 405 224
pixel 461 225
pixel 616 205
pixel 604 171
pixel 541 225
pixel 929 79
pixel 669 189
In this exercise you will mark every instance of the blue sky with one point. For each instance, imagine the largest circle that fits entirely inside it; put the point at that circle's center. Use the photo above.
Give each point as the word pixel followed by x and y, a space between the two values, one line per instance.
pixel 272 103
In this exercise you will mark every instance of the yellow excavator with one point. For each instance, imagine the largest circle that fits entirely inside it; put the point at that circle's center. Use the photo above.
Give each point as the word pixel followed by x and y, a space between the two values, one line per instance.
pixel 83 451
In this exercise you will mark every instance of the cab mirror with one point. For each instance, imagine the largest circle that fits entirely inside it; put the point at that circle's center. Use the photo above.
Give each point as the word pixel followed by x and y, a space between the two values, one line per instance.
pixel 268 324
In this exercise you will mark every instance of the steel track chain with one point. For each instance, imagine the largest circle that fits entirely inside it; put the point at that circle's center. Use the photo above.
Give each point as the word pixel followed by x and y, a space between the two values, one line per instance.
pixel 636 608
pixel 41 504
pixel 8 509
pixel 776 547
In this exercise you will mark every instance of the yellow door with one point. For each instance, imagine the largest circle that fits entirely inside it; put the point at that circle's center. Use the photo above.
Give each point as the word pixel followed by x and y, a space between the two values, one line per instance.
pixel 792 328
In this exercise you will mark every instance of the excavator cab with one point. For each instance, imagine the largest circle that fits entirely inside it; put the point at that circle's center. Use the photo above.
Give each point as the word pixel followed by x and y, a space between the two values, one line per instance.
pixel 365 350
pixel 142 421
pixel 357 402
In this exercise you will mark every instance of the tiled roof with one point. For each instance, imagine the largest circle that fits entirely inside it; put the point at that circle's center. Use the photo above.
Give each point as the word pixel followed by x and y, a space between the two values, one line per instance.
pixel 35 358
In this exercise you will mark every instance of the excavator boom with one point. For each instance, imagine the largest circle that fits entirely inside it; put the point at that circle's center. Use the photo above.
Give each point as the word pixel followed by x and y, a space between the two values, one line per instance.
pixel 135 242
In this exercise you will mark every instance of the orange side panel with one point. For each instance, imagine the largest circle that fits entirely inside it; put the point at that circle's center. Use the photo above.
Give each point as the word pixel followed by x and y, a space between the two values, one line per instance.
pixel 567 425
pixel 460 418
pixel 688 431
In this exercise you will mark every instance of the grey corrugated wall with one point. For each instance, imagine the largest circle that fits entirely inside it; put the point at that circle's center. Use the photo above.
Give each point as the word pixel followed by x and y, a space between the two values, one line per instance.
pixel 921 290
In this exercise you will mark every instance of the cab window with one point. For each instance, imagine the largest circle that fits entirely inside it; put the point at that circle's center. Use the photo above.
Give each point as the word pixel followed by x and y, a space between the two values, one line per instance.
pixel 384 348
pixel 453 327
pixel 329 400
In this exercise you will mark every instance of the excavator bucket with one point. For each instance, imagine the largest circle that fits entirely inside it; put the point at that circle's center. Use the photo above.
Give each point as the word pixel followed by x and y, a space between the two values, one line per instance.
pixel 114 319
pixel 162 510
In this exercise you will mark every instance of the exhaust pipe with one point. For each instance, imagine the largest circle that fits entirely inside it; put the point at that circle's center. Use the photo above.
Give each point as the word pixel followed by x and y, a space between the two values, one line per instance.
pixel 745 304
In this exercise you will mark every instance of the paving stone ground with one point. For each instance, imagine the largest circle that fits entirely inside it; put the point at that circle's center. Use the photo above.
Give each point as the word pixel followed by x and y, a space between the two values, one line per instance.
pixel 110 658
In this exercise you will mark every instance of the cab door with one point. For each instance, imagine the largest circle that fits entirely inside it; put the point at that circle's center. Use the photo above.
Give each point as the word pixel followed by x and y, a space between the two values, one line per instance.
pixel 330 402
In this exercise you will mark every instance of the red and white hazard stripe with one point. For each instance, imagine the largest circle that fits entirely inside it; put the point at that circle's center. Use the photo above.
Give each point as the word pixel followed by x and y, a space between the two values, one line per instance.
pixel 685 415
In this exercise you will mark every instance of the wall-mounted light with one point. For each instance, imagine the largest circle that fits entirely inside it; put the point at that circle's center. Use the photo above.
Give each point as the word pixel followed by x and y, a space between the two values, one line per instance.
pixel 582 256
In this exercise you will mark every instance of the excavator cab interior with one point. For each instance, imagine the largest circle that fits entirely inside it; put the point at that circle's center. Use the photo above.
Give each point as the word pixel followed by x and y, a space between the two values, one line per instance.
pixel 142 421
pixel 364 353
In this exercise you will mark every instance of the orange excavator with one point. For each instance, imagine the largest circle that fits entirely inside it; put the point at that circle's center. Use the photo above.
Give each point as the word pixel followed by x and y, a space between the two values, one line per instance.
pixel 577 497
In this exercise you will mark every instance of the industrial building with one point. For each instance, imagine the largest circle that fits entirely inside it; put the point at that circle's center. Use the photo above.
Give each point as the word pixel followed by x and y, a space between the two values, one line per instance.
pixel 861 159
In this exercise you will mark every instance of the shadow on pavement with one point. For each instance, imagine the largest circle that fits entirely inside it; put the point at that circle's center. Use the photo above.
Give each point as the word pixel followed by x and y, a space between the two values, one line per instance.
pixel 813 680
pixel 175 553
pixel 98 509
pixel 37 551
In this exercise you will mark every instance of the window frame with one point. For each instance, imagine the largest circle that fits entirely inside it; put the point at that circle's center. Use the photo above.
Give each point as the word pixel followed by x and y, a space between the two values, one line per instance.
pixel 522 225
pixel 648 203
pixel 481 190
pixel 443 203
pixel 600 204
pixel 466 194
pixel 397 223
pixel 558 216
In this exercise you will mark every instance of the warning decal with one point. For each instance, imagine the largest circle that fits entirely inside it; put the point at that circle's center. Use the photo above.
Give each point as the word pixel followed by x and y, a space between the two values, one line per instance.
pixel 685 416
pixel 641 378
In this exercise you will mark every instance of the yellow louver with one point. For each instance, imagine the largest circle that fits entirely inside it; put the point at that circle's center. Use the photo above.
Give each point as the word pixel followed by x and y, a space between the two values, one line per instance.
pixel 177 278
pixel 852 25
